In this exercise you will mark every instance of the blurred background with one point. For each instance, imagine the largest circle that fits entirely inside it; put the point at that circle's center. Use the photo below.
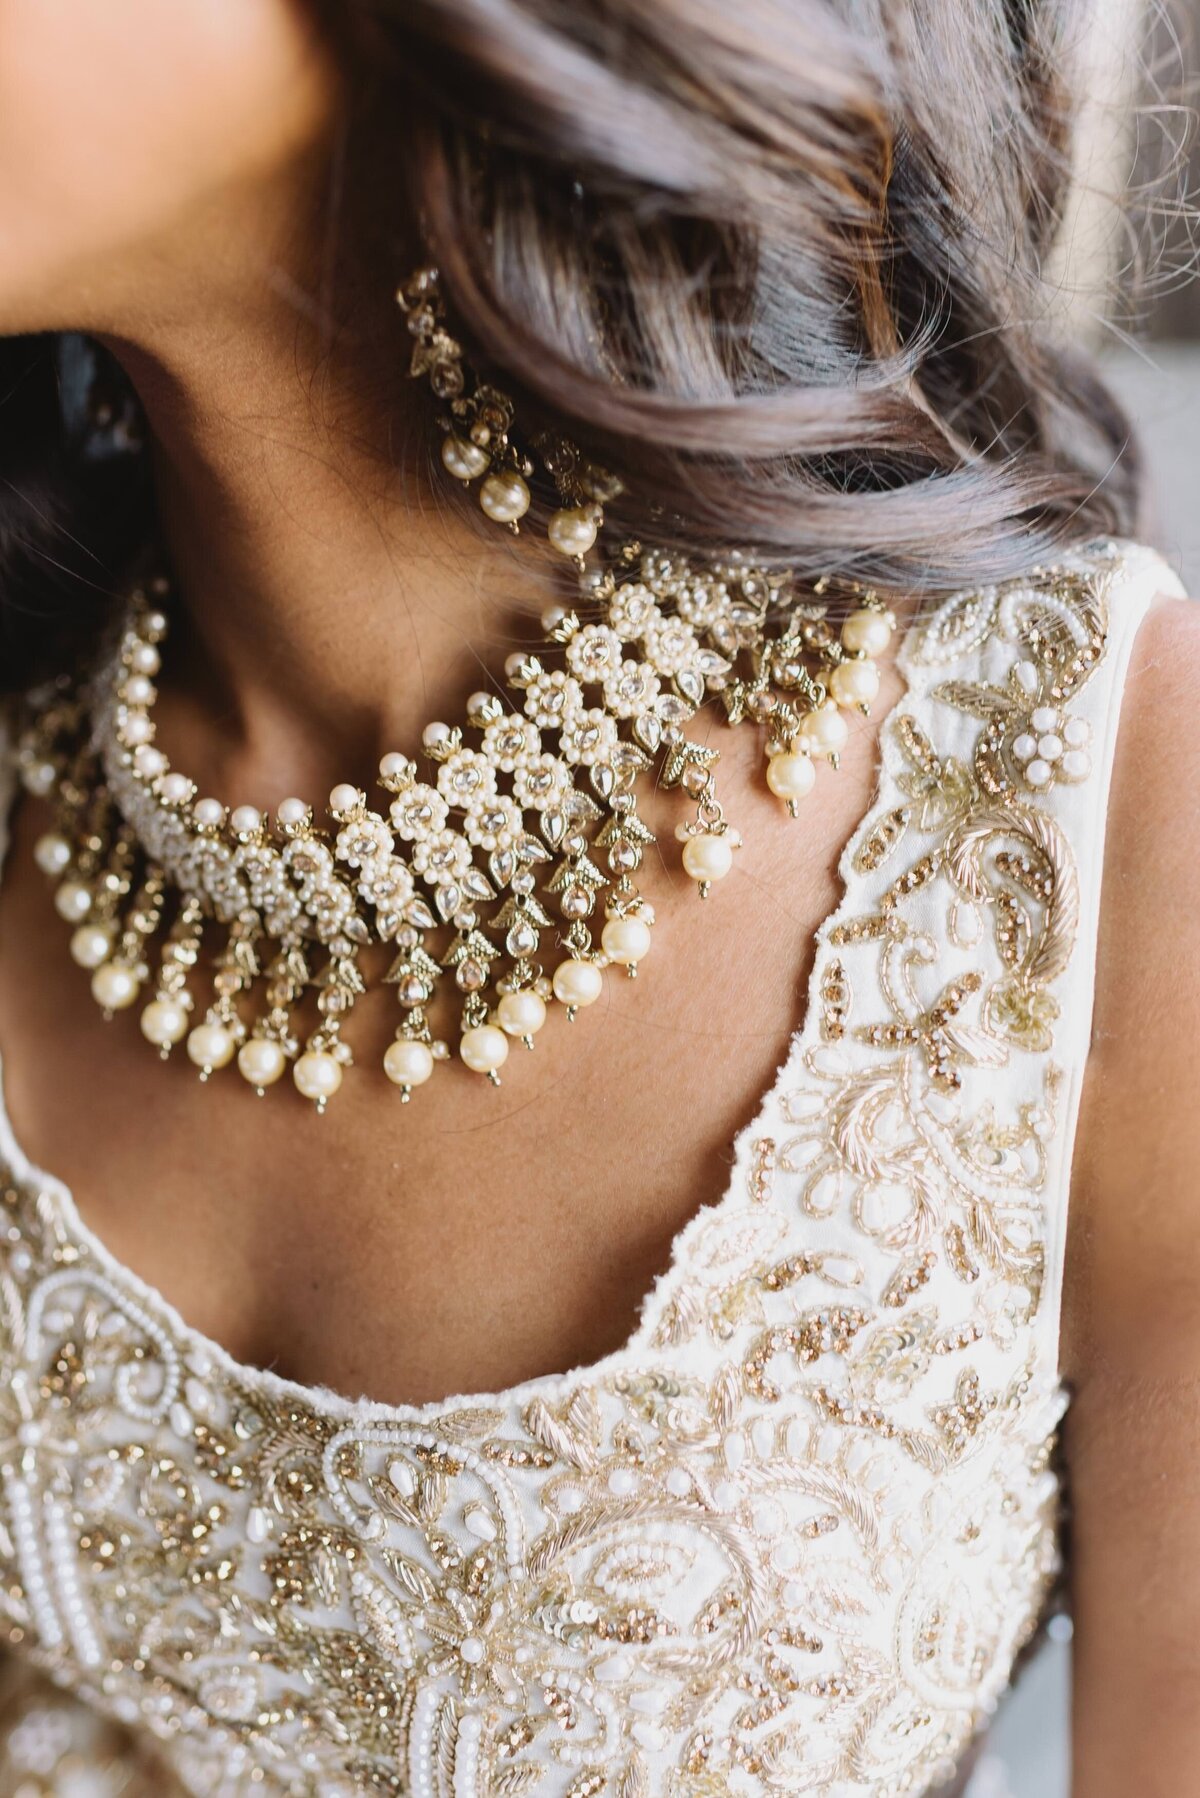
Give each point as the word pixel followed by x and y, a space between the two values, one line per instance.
pixel 1156 369
pixel 1152 358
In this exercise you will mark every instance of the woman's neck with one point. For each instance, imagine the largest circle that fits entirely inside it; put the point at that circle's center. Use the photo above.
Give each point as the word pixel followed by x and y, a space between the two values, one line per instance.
pixel 335 593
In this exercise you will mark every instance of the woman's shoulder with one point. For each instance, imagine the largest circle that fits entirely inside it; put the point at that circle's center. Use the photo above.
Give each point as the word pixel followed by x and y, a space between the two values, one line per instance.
pixel 1131 1311
pixel 1132 1295
pixel 1152 859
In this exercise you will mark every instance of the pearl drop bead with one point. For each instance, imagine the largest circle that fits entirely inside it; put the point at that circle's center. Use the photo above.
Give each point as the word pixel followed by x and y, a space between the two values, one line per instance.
pixel 144 659
pixel 149 762
pixel 572 530
pixel 72 901
pixel 408 1063
pixel 90 946
pixel 208 812
pixel 137 729
pixel 176 789
pixel 625 940
pixel 521 1014
pixel 866 633
pixel 52 853
pixel 791 776
pixel 246 820
pixel 825 728
pixel 164 1022
pixel 854 683
pixel 261 1061
pixel 292 811
pixel 484 1048
pixel 393 765
pixel 513 664
pixel 434 735
pixel 138 690
pixel 210 1046
pixel 344 797
pixel 707 857
pixel 577 983
pixel 462 458
pixel 505 497
pixel 317 1075
pixel 114 987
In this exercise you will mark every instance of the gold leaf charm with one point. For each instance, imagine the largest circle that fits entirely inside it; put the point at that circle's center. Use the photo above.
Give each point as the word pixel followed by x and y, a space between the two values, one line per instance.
pixel 684 755
pixel 414 962
pixel 577 871
pixel 521 908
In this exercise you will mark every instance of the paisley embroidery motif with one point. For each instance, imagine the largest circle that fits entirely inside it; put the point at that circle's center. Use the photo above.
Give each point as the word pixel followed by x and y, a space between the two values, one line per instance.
pixel 790 1539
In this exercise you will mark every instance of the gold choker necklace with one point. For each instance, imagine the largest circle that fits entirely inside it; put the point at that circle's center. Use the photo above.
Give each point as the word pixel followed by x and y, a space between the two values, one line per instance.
pixel 501 866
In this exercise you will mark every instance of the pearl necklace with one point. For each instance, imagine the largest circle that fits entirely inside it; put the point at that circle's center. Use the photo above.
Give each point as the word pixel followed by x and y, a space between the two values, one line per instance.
pixel 528 808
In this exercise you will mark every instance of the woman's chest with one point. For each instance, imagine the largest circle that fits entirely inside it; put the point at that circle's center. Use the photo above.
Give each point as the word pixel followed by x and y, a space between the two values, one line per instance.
pixel 786 1533
pixel 472 1237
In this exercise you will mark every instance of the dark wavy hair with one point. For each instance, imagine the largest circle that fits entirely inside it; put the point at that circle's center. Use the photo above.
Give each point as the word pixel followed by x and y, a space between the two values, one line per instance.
pixel 782 263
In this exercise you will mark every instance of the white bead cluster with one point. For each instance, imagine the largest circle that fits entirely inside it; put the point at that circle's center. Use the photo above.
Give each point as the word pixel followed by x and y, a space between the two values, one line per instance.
pixel 1053 748
pixel 822 732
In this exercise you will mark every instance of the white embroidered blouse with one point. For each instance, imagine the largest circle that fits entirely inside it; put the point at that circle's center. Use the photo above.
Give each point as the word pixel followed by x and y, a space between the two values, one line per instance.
pixel 790 1537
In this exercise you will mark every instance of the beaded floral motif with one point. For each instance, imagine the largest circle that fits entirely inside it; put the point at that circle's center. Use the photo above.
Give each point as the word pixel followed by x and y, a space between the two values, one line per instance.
pixel 788 1540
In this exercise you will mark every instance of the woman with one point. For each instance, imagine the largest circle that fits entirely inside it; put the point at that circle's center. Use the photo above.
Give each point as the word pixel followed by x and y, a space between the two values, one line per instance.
pixel 296 1495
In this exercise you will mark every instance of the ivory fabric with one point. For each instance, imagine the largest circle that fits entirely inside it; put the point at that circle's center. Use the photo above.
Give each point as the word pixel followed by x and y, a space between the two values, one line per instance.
pixel 789 1538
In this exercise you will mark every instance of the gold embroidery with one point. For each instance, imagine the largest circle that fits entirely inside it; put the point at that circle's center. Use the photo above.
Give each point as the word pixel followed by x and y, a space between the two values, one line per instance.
pixel 836 1002
pixel 789 1539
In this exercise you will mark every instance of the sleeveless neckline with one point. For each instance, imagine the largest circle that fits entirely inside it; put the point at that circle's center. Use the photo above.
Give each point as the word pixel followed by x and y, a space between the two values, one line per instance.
pixel 793 1533
pixel 549 1385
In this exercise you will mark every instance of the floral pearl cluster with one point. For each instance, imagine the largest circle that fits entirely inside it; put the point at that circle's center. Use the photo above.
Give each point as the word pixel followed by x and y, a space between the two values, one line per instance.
pixel 1053 748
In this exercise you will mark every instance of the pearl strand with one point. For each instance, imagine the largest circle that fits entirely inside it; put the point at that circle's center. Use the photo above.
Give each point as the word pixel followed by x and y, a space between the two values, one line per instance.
pixel 34 1583
pixel 151 1411
pixel 64 1563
